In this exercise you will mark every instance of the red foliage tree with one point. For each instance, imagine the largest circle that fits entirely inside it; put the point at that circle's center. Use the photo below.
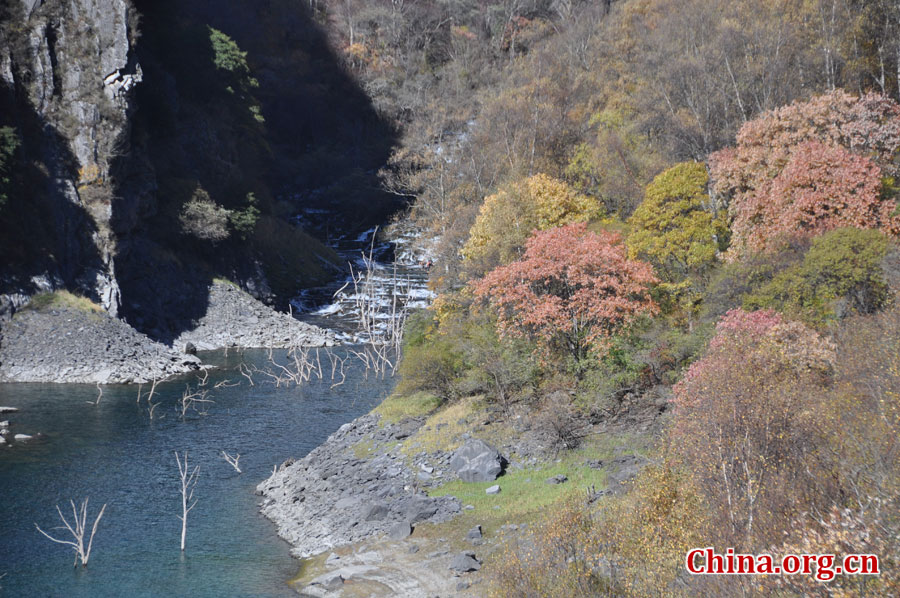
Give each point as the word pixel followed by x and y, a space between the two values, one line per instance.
pixel 745 415
pixel 571 290
pixel 810 167
pixel 821 188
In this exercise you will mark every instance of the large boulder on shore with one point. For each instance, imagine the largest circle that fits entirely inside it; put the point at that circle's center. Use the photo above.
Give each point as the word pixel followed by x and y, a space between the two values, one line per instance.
pixel 476 461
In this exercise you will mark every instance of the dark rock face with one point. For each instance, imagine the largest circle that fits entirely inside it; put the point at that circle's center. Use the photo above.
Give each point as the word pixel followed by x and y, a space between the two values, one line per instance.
pixel 67 71
pixel 477 461
pixel 347 499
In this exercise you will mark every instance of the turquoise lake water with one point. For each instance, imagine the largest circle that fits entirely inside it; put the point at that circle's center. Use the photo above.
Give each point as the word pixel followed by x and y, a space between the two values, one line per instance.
pixel 115 454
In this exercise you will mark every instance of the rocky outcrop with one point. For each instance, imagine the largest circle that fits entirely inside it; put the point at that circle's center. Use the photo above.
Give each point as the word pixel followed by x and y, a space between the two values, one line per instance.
pixel 72 345
pixel 332 498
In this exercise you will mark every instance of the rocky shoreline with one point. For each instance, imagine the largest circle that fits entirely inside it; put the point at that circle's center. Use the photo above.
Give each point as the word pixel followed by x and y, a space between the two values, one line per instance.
pixel 71 344
pixel 331 497
pixel 367 513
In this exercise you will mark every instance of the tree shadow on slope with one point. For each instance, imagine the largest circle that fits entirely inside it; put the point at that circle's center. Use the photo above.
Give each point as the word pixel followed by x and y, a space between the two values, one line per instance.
pixel 254 133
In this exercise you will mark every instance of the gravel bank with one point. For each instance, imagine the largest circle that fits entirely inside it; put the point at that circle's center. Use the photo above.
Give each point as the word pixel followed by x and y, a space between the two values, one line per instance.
pixel 235 319
pixel 66 344
pixel 71 345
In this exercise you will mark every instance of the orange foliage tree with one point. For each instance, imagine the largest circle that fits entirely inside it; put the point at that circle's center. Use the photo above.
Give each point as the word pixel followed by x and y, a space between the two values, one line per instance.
pixel 810 167
pixel 571 291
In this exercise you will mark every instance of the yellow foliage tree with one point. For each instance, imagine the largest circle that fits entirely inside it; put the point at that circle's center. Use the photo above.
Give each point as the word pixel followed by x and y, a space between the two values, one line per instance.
pixel 508 217
pixel 674 231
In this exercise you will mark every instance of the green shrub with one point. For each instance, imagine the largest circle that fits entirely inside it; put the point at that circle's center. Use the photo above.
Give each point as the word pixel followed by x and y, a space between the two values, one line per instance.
pixel 464 356
pixel 203 218
pixel 244 220
pixel 435 367
pixel 228 57
pixel 839 275
pixel 730 283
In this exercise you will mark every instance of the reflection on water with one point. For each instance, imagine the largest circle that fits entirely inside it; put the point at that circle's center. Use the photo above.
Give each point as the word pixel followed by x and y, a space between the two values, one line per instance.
pixel 115 454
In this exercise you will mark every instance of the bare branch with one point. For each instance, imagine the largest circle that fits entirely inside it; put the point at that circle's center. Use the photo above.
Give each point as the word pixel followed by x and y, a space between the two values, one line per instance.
pixel 233 461
pixel 77 529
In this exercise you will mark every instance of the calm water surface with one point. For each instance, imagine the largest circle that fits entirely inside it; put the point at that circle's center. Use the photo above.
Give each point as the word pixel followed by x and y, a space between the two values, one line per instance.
pixel 115 454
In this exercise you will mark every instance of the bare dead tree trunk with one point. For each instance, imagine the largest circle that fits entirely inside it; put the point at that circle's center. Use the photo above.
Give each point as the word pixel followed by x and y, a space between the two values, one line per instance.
pixel 188 483
pixel 233 461
pixel 77 528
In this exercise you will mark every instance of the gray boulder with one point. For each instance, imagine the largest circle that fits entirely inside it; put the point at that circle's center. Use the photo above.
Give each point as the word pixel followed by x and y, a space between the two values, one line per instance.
pixel 476 461
pixel 420 509
pixel 376 512
pixel 495 489
pixel 465 562
pixel 400 531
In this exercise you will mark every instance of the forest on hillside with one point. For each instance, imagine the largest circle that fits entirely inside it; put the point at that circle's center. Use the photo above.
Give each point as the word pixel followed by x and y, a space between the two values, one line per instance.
pixel 692 201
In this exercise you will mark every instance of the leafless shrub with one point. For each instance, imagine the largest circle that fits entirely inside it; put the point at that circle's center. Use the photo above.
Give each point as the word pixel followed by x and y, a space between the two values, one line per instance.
pixel 99 396
pixel 194 399
pixel 380 327
pixel 150 395
pixel 559 419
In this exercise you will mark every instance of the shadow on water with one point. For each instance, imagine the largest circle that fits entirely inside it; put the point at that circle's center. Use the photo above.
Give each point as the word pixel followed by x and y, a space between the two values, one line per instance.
pixel 116 455
pixel 193 129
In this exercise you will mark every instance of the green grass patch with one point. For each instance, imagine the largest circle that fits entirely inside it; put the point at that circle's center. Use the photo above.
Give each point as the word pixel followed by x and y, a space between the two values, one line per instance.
pixel 60 300
pixel 396 408
pixel 443 429
pixel 225 281
pixel 525 494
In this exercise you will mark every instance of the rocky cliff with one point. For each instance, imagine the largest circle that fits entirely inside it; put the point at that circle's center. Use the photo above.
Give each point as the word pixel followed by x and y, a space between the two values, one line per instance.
pixel 159 145
pixel 68 72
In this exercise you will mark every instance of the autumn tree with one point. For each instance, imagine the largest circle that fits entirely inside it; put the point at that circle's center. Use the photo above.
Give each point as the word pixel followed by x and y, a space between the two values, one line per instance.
pixel 745 417
pixel 616 163
pixel 508 217
pixel 810 167
pixel 675 230
pixel 570 292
